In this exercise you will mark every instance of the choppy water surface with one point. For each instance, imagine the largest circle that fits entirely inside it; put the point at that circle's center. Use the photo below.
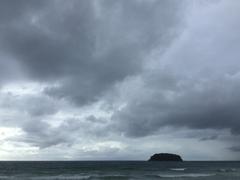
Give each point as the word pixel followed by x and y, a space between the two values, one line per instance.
pixel 90 170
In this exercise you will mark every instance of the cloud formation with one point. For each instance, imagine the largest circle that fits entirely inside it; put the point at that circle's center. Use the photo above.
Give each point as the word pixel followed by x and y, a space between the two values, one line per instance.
pixel 196 82
pixel 86 46
pixel 81 76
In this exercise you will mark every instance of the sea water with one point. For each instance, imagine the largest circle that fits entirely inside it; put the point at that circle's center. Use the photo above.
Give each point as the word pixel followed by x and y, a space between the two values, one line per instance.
pixel 93 170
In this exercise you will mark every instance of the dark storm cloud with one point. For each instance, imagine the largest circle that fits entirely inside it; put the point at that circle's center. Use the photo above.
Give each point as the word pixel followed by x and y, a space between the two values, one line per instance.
pixel 12 10
pixel 213 137
pixel 195 84
pixel 152 65
pixel 85 46
pixel 203 104
pixel 235 148
pixel 82 48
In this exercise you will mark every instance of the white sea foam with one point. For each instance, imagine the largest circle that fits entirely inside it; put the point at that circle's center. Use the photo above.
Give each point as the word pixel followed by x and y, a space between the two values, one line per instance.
pixel 227 170
pixel 77 177
pixel 178 169
pixel 60 177
pixel 185 175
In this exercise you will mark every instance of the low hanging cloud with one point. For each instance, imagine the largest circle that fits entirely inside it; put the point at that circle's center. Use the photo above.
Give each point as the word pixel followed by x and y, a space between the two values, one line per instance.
pixel 235 148
pixel 194 104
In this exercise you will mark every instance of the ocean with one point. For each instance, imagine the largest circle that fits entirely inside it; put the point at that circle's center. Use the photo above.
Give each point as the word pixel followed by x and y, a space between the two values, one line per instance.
pixel 93 170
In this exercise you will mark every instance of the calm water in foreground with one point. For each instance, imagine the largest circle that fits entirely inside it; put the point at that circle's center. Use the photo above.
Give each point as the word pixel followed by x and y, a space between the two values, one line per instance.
pixel 120 170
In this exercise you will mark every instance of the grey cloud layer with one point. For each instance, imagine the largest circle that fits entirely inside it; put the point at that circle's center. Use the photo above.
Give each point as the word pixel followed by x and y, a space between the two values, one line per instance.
pixel 196 104
pixel 153 64
pixel 196 82
pixel 86 46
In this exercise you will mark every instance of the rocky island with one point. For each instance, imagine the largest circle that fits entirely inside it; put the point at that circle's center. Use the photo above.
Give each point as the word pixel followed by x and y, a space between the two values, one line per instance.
pixel 165 157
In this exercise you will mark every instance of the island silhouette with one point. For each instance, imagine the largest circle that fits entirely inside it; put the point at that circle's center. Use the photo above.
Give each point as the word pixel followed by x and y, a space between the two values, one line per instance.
pixel 165 157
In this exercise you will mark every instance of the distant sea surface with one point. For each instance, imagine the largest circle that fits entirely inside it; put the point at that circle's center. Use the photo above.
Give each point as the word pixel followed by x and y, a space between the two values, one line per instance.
pixel 91 170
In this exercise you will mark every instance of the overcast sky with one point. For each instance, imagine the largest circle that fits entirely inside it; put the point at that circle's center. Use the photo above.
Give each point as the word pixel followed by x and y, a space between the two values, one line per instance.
pixel 119 79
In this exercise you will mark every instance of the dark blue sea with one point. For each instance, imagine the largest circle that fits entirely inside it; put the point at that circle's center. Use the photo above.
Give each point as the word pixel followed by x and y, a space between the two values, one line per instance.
pixel 91 170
